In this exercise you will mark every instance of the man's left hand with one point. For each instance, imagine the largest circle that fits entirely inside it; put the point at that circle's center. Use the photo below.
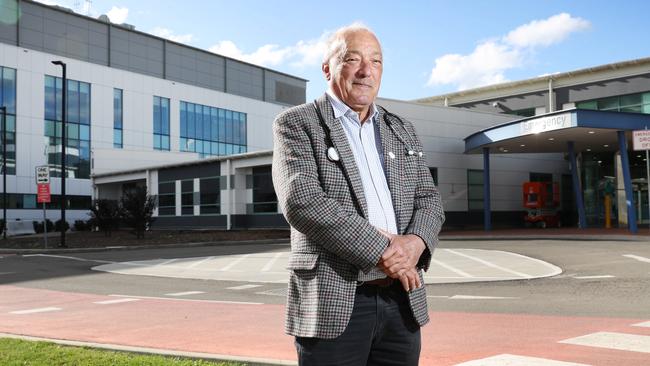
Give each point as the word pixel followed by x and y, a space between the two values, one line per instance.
pixel 402 254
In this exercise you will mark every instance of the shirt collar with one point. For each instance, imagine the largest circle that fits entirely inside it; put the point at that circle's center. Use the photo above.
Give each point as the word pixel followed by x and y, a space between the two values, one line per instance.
pixel 342 109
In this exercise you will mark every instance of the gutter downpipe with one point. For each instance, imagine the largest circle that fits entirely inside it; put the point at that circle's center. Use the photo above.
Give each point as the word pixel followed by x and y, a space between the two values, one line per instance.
pixel 228 189
pixel 551 104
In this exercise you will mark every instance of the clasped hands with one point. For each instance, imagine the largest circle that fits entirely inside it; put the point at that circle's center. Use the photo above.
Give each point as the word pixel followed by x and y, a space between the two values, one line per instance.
pixel 401 257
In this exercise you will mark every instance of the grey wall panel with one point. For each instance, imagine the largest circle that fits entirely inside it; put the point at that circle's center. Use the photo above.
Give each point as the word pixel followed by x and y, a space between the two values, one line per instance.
pixel 30 20
pixel 8 21
pixel 244 80
pixel 284 89
pixel 195 67
pixel 31 39
pixel 136 52
pixel 630 85
pixel 190 172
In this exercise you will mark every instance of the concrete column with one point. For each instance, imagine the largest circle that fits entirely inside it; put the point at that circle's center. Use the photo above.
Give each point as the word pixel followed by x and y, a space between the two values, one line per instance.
pixel 627 181
pixel 487 212
pixel 577 188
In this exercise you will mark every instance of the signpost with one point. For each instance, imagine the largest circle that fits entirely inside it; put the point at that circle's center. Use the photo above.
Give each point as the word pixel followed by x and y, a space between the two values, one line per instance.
pixel 641 141
pixel 43 193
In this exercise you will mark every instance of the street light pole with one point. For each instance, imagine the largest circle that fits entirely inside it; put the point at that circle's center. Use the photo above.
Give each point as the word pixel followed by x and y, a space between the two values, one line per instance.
pixel 63 172
pixel 4 172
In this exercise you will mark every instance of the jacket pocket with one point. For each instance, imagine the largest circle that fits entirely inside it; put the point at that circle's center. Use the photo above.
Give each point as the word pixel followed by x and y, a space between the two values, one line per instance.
pixel 302 261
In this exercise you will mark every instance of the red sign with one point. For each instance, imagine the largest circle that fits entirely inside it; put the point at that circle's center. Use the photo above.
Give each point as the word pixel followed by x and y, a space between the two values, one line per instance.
pixel 43 195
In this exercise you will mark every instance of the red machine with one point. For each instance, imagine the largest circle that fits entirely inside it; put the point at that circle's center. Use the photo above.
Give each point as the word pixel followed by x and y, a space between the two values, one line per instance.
pixel 542 202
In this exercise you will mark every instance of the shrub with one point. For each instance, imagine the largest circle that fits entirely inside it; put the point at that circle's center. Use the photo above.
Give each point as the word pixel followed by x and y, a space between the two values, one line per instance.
pixel 38 226
pixel 137 209
pixel 59 224
pixel 81 225
pixel 105 214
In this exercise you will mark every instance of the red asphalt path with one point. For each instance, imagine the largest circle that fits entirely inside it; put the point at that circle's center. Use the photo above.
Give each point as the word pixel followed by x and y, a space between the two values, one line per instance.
pixel 257 330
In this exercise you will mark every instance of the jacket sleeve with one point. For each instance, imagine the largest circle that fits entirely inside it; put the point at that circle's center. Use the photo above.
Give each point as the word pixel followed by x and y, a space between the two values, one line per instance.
pixel 428 215
pixel 306 206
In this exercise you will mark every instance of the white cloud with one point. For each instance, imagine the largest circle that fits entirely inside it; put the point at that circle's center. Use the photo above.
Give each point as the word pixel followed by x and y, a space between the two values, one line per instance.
pixel 486 65
pixel 169 34
pixel 490 60
pixel 546 32
pixel 301 54
pixel 118 15
pixel 267 55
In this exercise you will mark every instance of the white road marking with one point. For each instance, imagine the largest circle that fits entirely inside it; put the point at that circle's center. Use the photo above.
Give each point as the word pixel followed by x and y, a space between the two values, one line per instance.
pixel 555 269
pixel 270 263
pixel 637 257
pixel 190 300
pixel 167 262
pixel 612 340
pixel 242 287
pixel 33 311
pixel 593 277
pixel 235 262
pixel 186 293
pixel 644 324
pixel 197 263
pixel 451 268
pixel 514 360
pixel 489 264
pixel 470 297
pixel 117 301
pixel 67 257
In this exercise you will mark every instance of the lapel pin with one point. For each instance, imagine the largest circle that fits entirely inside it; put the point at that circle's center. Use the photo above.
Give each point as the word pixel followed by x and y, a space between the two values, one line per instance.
pixel 332 154
pixel 411 152
pixel 391 155
pixel 420 154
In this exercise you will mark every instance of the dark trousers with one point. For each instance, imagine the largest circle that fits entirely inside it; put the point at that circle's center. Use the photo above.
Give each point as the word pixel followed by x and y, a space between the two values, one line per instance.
pixel 381 331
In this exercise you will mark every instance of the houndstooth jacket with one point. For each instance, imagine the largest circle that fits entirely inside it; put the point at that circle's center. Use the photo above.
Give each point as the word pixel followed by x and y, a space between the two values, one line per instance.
pixel 323 201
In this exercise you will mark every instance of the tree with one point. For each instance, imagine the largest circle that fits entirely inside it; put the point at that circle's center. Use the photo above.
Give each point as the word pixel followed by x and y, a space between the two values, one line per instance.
pixel 106 214
pixel 137 209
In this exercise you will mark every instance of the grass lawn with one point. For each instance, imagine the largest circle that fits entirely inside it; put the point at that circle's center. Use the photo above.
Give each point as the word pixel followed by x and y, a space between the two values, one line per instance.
pixel 14 352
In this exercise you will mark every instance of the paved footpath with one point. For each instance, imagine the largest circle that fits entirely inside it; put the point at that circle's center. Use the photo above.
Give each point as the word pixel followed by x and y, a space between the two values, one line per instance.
pixel 226 330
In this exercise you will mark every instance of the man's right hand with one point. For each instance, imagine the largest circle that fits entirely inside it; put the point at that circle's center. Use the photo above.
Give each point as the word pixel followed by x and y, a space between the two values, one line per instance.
pixel 395 264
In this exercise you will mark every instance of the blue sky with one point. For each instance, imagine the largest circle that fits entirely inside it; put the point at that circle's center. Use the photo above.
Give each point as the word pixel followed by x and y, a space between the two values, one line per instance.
pixel 430 47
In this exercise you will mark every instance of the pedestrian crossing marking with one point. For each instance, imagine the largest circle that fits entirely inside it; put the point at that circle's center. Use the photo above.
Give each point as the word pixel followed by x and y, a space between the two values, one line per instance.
pixel 612 340
pixel 515 360
pixel 34 311
pixel 116 301
pixel 186 293
pixel 242 287
pixel 644 324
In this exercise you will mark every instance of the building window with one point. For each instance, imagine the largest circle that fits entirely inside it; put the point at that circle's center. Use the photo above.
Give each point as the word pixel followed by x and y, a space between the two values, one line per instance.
pixel 210 196
pixel 167 198
pixel 264 198
pixel 8 100
pixel 474 190
pixel 77 127
pixel 160 123
pixel 211 131
pixel 16 201
pixel 540 177
pixel 187 197
pixel 118 115
pixel 637 103
pixel 434 175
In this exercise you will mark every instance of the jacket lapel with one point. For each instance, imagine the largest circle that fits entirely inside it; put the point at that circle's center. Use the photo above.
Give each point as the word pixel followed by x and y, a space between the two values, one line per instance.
pixel 392 168
pixel 340 142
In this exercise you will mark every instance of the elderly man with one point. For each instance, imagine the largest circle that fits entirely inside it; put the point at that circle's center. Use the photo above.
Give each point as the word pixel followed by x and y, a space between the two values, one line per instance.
pixel 353 183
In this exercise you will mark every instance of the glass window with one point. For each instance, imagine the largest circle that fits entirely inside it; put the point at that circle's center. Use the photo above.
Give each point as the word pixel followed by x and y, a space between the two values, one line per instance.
pixel 475 189
pixel 117 118
pixel 77 126
pixel 210 195
pixel 161 123
pixel 8 100
pixel 167 198
pixel 264 198
pixel 203 127
pixel 187 197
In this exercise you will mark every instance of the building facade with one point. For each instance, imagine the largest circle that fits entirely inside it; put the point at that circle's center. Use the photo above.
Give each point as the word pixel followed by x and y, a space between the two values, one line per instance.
pixel 133 100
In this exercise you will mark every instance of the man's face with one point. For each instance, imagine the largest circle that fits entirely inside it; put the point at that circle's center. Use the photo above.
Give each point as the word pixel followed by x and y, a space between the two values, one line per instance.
pixel 356 78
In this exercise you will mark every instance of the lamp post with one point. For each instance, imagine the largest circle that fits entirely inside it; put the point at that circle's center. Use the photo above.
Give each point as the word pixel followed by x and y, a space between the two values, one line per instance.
pixel 63 172
pixel 4 172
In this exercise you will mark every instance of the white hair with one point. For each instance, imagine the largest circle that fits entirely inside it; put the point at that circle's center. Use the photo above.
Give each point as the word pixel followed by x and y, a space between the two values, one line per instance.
pixel 336 47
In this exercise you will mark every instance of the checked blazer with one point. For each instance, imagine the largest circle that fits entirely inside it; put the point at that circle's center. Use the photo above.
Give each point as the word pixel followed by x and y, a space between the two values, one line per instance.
pixel 323 201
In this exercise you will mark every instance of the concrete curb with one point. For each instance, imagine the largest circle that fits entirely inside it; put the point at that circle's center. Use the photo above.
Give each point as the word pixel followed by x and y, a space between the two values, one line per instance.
pixel 250 361
pixel 140 247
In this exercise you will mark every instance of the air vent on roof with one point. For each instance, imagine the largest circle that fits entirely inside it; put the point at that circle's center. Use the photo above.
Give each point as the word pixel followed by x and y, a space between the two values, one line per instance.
pixel 104 18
